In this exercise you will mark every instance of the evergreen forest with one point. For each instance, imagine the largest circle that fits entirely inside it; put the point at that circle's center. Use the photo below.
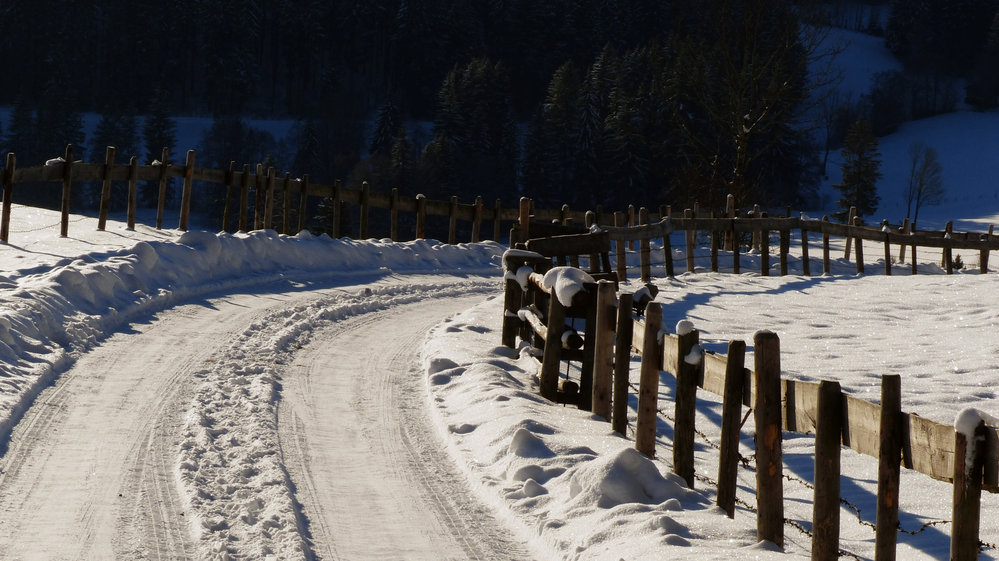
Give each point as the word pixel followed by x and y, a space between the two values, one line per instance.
pixel 585 102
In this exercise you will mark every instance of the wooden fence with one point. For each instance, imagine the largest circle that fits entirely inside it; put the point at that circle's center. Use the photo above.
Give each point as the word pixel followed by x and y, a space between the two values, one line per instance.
pixel 882 431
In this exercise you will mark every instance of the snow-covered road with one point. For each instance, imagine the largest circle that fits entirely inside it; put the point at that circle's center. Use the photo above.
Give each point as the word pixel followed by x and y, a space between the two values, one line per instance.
pixel 370 472
pixel 95 468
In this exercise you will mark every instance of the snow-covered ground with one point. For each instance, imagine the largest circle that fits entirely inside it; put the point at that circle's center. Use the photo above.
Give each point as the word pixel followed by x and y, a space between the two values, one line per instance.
pixel 194 395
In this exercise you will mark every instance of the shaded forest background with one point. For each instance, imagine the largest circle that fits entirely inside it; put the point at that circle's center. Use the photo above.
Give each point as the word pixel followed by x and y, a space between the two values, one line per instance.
pixel 583 102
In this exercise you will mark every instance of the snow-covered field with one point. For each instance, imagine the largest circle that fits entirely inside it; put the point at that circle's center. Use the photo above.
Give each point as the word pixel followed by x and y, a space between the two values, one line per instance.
pixel 255 396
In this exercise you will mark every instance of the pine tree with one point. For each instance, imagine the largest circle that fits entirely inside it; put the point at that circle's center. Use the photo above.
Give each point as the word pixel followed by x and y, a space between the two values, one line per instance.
pixel 386 128
pixel 861 165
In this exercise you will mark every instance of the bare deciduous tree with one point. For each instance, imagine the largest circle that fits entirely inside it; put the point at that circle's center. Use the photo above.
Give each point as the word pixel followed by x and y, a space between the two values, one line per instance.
pixel 925 179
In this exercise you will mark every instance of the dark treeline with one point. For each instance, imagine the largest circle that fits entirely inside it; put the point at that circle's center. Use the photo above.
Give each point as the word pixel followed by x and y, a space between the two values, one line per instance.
pixel 583 102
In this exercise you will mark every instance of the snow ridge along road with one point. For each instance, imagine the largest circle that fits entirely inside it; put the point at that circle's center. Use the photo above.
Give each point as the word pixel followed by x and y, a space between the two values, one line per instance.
pixel 163 442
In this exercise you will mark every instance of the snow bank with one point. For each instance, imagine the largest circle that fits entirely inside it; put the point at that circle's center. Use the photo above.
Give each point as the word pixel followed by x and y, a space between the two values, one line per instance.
pixel 49 315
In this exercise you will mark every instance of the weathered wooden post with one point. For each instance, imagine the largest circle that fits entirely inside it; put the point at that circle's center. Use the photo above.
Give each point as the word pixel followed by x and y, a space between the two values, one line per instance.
pixel 689 361
pixel 105 204
pixel 513 297
pixel 619 250
pixel 785 247
pixel 303 203
pixel 764 251
pixel 269 199
pixel 645 246
pixel 668 255
pixel 227 207
pixel 825 506
pixel 421 217
pixel 648 389
pixel 631 224
pixel 735 247
pixel 826 266
pixel 622 362
pixel 67 187
pixel 969 466
pixel 912 256
pixel 133 190
pixel 886 230
pixel 728 460
pixel 769 460
pixel 603 350
pixel 244 197
pixel 553 348
pixel 851 217
pixel 258 197
pixel 161 194
pixel 524 221
pixel 806 266
pixel 859 240
pixel 285 201
pixel 889 468
pixel 983 254
pixel 8 193
pixel 363 222
pixel 901 246
pixel 476 218
pixel 185 197
pixel 730 213
pixel 948 256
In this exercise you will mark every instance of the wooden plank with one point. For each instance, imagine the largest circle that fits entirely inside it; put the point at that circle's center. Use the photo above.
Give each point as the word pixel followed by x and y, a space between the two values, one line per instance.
pixel 801 405
pixel 862 426
pixel 622 363
pixel 928 447
pixel 715 372
pixel 573 244
pixel 648 391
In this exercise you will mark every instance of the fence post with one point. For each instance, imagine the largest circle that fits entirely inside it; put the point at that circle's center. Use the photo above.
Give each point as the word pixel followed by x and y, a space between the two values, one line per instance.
pixel 226 209
pixel 269 199
pixel 161 195
pixel 244 197
pixel 851 216
pixel 806 266
pixel 133 190
pixel 691 236
pixel 421 217
pixel 901 247
pixel 764 252
pixel 631 224
pixel 767 414
pixel 728 460
pixel 912 256
pixel 859 241
pixel 756 233
pixel 8 192
pixel 603 350
pixel 983 254
pixel 969 465
pixel 67 186
pixel 258 197
pixel 948 257
pixel 476 218
pixel 553 348
pixel 825 506
pixel 687 370
pixel 648 389
pixel 513 296
pixel 524 220
pixel 285 202
pixel 889 468
pixel 185 198
pixel 730 213
pixel 619 248
pixel 826 266
pixel 715 246
pixel 303 203
pixel 105 204
pixel 735 248
pixel 645 247
pixel 622 362
pixel 785 246
pixel 887 249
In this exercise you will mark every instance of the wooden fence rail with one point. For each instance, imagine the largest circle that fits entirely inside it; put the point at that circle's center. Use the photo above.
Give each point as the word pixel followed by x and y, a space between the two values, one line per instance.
pixel 882 431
